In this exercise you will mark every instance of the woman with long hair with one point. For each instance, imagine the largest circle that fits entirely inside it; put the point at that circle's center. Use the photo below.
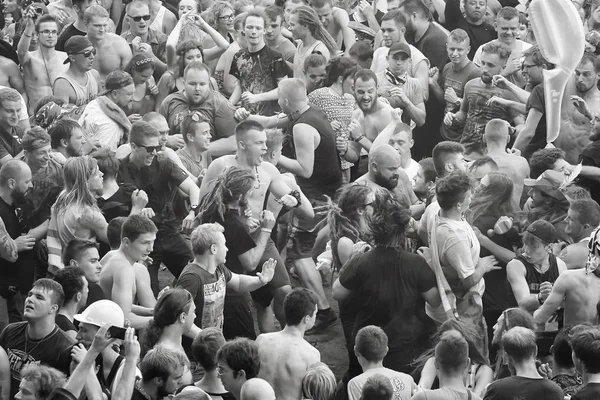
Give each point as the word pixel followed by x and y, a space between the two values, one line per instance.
pixel 141 68
pixel 336 99
pixel 479 374
pixel 389 288
pixel 312 36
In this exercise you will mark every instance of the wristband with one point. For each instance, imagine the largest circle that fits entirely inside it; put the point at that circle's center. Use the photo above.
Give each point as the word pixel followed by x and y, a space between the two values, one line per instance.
pixel 265 230
pixel 358 139
pixel 539 299
pixel 296 194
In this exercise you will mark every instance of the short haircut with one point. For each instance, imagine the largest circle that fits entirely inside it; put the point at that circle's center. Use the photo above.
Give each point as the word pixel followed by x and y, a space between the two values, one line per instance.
pixel 588 211
pixel 519 343
pixel 107 161
pixel 543 160
pixel 135 226
pixel 255 13
pixel 75 248
pixel 452 189
pixel 141 130
pixel 70 280
pixel 57 295
pixel 440 154
pixel 245 126
pixel 460 36
pixel 196 65
pixel 62 130
pixel 416 6
pixel 42 19
pixel 8 94
pixel 561 348
pixel 205 347
pixel 161 361
pixel 480 162
pixel 397 16
pixel 45 379
pixel 314 60
pixel 186 125
pixel 371 343
pixel 12 169
pixel 35 138
pixel 192 393
pixel 319 383
pixel 452 352
pixel 361 50
pixel 92 11
pixel 498 48
pixel 241 354
pixel 586 346
pixel 299 303
pixel 365 75
pixel 377 387
pixel 113 231
pixel 272 12
pixel 508 13
pixel 537 57
pixel 429 173
pixel 274 138
pixel 589 57
pixel 205 236
pixel 136 4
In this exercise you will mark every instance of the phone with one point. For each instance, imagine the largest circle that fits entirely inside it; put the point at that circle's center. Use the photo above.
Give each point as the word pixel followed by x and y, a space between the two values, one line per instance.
pixel 117 332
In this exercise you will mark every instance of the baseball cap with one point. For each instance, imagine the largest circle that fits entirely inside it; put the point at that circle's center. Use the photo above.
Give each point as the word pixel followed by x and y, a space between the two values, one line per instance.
pixel 117 80
pixel 548 184
pixel 543 230
pixel 75 45
pixel 399 48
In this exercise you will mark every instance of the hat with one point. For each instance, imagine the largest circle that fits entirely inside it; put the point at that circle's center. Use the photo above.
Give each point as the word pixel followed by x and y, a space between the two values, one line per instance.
pixel 75 45
pixel 116 80
pixel 399 48
pixel 548 184
pixel 543 230
pixel 102 312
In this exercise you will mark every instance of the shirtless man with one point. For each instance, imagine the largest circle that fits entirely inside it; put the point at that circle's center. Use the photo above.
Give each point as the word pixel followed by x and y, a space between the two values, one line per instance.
pixel 11 76
pixel 42 66
pixel 118 276
pixel 112 51
pixel 285 356
pixel 577 290
pixel 583 217
pixel 336 21
pixel 576 127
pixel 496 137
pixel 251 147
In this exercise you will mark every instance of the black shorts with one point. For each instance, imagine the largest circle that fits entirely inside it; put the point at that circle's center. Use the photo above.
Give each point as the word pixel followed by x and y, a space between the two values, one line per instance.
pixel 302 234
pixel 264 295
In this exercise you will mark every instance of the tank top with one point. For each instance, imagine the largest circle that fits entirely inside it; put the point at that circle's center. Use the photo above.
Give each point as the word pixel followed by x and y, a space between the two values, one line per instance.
pixel 84 93
pixel 301 55
pixel 158 21
pixel 534 278
pixel 327 171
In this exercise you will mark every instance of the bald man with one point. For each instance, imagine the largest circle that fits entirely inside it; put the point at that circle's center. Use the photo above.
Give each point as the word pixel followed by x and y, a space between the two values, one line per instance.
pixel 257 389
pixel 16 271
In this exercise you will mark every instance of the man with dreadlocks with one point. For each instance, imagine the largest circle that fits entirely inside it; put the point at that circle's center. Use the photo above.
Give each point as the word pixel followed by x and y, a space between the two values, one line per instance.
pixel 577 290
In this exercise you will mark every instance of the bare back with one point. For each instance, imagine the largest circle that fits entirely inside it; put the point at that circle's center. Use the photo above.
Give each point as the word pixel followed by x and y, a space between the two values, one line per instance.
pixel 114 266
pixel 112 54
pixel 581 297
pixel 284 360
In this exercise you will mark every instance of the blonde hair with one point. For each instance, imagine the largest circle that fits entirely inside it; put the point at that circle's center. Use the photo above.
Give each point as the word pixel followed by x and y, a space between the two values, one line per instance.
pixel 76 172
pixel 319 383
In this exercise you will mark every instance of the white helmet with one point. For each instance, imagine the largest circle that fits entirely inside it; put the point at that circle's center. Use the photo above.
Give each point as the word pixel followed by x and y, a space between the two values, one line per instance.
pixel 102 312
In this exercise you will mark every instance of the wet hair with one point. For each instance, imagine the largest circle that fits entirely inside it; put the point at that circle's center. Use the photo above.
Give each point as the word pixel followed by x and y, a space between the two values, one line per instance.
pixel 44 378
pixel 298 304
pixel 440 154
pixel 167 310
pixel 498 48
pixel 107 161
pixel 230 186
pixel 135 226
pixel 139 63
pixel 493 200
pixel 586 346
pixel 75 248
pixel 205 236
pixel 205 347
pixel 113 232
pixel 371 343
pixel 339 67
pixel 76 173
pixel 389 221
pixel 182 49
pixel 429 173
pixel 309 18
pixel 70 280
pixel 160 362
pixel 452 189
pixel 42 19
pixel 62 130
pixel 319 383
pixel 241 354
pixel 377 387
pixel 57 294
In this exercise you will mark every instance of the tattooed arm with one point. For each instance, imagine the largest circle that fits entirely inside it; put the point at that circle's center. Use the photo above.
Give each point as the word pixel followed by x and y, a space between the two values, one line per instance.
pixel 8 247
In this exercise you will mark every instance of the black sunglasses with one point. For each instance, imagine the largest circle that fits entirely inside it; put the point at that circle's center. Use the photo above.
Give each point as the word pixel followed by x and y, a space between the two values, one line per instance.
pixel 88 53
pixel 150 149
pixel 141 17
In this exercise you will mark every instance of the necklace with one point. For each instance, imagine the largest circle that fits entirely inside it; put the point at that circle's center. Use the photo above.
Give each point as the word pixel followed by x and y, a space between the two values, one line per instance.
pixel 256 175
pixel 38 343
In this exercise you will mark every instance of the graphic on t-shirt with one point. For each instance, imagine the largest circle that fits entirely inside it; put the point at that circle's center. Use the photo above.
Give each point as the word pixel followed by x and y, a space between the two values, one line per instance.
pixel 214 301
pixel 19 359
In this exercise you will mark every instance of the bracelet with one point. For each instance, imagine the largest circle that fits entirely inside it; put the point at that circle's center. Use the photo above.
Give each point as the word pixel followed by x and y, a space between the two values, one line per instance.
pixel 358 139
pixel 265 230
pixel 539 299
pixel 296 194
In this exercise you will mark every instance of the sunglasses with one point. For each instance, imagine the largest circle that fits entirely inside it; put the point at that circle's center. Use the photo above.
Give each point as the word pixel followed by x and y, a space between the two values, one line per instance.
pixel 141 17
pixel 150 149
pixel 88 53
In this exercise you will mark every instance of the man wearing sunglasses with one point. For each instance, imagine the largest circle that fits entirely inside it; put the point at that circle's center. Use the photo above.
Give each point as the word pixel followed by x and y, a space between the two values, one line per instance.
pixel 151 41
pixel 42 66
pixel 79 84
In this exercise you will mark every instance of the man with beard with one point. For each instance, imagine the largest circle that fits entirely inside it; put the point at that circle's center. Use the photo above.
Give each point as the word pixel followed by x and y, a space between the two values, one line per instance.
pixel 15 180
pixel 79 84
pixel 215 108
pixel 475 110
pixel 104 121
pixel 10 131
pixel 162 369
pixel 472 22
pixel 42 66
pixel 66 140
pixel 336 21
pixel 251 142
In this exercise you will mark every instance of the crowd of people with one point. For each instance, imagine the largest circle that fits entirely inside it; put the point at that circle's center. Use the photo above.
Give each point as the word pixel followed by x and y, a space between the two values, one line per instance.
pixel 193 193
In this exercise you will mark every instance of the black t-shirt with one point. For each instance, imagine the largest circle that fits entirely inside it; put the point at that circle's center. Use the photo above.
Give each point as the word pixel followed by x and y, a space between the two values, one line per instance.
pixel 54 350
pixel 117 205
pixel 537 101
pixel 95 293
pixel 518 387
pixel 64 324
pixel 591 391
pixel 237 239
pixel 68 32
pixel 591 156
pixel 433 45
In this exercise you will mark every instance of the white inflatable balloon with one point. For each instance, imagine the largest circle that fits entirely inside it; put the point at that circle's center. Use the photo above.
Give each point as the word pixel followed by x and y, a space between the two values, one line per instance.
pixel 560 36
